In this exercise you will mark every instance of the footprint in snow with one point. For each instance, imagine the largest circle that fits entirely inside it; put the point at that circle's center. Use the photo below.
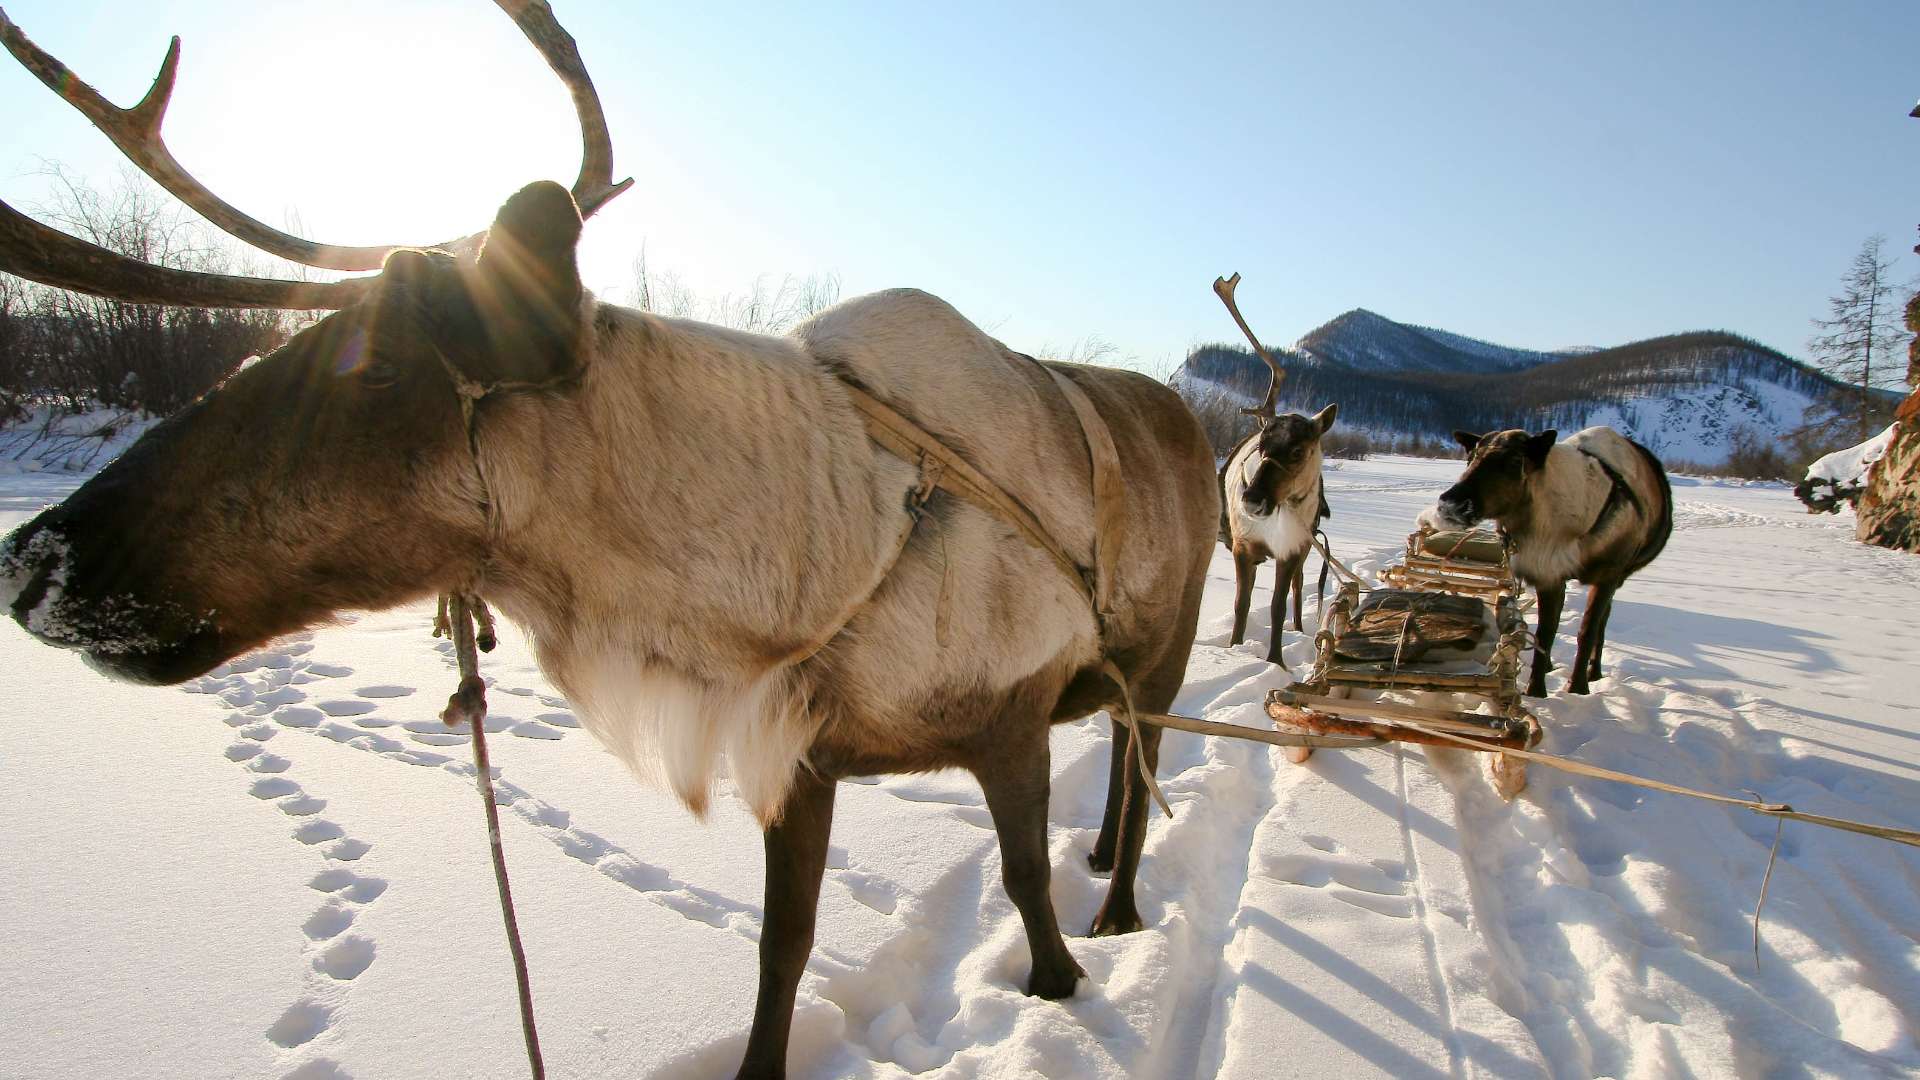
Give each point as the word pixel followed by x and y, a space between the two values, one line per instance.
pixel 300 1024
pixel 381 692
pixel 264 685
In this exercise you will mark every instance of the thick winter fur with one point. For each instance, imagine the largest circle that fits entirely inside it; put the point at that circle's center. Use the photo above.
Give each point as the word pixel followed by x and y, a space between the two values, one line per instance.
pixel 677 511
pixel 1274 501
pixel 1594 509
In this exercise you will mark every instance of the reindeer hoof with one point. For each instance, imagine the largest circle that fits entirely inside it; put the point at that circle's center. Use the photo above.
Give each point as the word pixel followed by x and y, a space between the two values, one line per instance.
pixel 1113 924
pixel 1100 863
pixel 1297 754
pixel 1055 984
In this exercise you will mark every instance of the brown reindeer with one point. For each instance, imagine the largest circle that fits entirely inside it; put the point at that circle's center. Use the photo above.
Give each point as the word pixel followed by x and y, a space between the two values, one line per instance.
pixel 1275 499
pixel 605 478
pixel 1594 509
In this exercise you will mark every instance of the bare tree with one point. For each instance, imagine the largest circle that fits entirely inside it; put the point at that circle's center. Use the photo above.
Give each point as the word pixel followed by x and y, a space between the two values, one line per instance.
pixel 763 309
pixel 1862 336
pixel 15 369
pixel 74 351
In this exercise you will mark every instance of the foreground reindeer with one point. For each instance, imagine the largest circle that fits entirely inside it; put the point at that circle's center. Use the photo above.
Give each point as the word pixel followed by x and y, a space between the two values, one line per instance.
pixel 1275 501
pixel 487 427
pixel 1594 509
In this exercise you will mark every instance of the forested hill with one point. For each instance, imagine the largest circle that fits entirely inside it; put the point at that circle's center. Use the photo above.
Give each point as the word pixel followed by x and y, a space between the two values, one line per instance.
pixel 1365 341
pixel 1683 395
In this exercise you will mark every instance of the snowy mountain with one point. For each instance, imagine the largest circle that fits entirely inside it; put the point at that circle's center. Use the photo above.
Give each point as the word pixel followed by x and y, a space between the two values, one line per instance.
pixel 1686 396
pixel 1366 341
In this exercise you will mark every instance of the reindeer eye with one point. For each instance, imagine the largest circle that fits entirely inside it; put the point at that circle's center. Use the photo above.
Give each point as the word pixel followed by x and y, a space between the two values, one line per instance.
pixel 379 374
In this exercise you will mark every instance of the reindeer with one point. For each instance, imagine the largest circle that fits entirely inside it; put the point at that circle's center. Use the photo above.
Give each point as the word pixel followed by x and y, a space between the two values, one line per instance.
pixel 1273 496
pixel 1595 509
pixel 1275 501
pixel 480 424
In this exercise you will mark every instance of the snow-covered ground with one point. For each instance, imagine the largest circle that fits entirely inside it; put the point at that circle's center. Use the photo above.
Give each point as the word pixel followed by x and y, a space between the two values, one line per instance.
pixel 280 871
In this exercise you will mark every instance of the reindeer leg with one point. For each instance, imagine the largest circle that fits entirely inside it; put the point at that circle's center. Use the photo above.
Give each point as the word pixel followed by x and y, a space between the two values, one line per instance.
pixel 1586 662
pixel 1551 599
pixel 1600 635
pixel 1119 915
pixel 1016 789
pixel 1282 579
pixel 796 857
pixel 1100 859
pixel 1244 564
pixel 1299 588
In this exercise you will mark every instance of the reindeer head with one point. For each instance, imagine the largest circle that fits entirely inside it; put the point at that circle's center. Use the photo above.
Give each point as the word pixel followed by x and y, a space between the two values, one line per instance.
pixel 1289 448
pixel 340 472
pixel 1497 483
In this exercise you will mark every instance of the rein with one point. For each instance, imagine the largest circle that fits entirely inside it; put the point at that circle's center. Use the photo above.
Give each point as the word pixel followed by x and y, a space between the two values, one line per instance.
pixel 465 619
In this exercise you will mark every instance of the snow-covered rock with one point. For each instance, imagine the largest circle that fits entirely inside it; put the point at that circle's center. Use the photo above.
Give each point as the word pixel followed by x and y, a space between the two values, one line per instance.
pixel 1841 476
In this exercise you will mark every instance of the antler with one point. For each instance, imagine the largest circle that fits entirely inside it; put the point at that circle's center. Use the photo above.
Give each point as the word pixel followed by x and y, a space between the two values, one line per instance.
pixel 33 251
pixel 1223 287
pixel 136 132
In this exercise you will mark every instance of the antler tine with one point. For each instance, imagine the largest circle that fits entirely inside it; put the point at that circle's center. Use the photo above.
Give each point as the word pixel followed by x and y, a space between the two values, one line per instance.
pixel 136 133
pixel 36 252
pixel 1224 287
pixel 594 187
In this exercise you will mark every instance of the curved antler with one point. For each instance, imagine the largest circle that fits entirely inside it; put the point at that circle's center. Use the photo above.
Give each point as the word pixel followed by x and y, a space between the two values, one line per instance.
pixel 37 252
pixel 594 187
pixel 136 132
pixel 1223 288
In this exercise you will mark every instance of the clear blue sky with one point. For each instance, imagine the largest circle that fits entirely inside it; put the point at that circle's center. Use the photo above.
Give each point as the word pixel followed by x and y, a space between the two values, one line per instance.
pixel 1536 174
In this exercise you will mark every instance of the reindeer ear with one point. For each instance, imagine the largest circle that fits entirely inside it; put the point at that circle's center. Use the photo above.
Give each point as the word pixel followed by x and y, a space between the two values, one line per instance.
pixel 1539 445
pixel 1467 439
pixel 527 292
pixel 1325 416
pixel 411 268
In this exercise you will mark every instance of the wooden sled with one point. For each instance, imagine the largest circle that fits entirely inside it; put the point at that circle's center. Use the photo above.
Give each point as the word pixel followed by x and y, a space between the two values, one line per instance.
pixel 1449 618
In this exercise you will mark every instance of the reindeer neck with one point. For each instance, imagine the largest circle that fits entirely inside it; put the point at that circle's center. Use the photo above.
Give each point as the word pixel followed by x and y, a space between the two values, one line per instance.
pixel 703 502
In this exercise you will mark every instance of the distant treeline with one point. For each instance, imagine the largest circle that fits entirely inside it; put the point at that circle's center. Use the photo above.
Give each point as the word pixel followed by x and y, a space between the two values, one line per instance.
pixel 1556 394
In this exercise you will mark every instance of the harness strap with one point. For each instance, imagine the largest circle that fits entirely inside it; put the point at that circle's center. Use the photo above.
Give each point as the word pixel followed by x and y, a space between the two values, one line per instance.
pixel 1618 492
pixel 932 471
pixel 1109 497
pixel 911 442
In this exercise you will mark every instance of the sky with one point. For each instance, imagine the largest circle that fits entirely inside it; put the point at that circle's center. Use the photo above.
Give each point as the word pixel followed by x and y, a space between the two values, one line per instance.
pixel 1536 174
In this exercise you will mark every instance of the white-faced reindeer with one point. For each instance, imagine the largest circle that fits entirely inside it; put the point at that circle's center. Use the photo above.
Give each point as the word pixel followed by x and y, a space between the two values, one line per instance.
pixel 1593 509
pixel 1274 496
pixel 483 425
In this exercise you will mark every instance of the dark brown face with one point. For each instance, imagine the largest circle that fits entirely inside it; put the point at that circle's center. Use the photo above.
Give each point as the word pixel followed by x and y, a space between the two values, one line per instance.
pixel 332 475
pixel 1494 485
pixel 1288 445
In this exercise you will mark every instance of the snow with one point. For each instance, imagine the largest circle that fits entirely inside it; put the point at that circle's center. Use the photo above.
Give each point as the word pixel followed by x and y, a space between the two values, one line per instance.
pixel 1840 477
pixel 279 870
pixel 1849 466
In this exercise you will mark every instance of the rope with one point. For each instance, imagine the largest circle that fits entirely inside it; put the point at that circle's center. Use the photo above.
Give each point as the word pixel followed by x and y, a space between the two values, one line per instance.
pixel 1782 811
pixel 469 705
pixel 1339 567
